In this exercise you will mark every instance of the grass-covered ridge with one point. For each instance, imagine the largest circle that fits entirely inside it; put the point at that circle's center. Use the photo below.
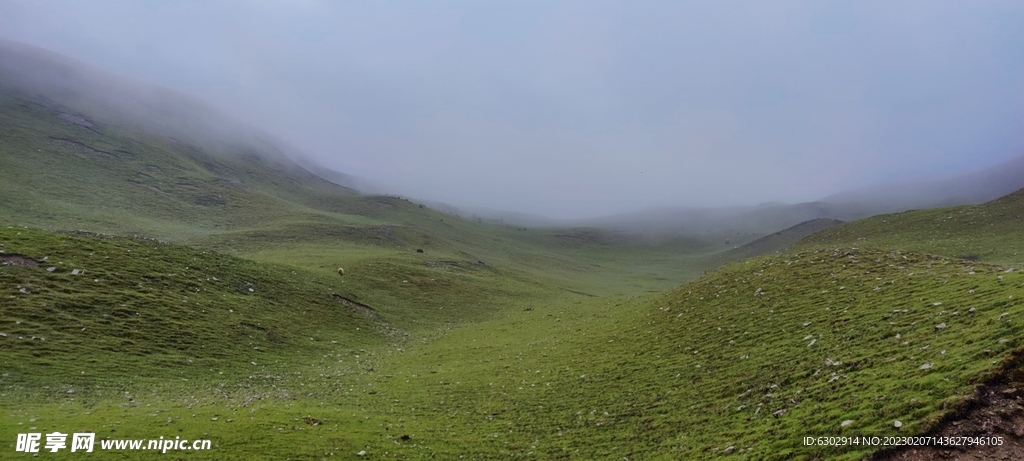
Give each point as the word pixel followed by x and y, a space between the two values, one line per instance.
pixel 121 308
pixel 990 232
pixel 829 336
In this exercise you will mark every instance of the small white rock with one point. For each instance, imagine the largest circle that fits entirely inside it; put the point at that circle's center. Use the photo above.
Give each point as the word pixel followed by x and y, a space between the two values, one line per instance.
pixel 361 453
pixel 926 366
pixel 846 423
pixel 897 423
pixel 940 326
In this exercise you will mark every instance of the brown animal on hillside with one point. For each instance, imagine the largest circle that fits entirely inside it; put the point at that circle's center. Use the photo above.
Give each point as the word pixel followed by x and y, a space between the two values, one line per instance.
pixel 341 271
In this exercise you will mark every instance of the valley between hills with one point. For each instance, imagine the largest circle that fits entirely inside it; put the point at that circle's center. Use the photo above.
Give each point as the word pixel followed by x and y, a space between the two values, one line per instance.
pixel 159 281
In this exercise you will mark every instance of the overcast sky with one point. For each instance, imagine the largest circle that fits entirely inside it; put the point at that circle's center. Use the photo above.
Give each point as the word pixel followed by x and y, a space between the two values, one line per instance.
pixel 582 108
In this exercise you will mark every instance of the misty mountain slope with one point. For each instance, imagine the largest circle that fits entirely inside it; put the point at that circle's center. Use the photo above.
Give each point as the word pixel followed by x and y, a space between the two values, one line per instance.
pixel 972 188
pixel 112 179
pixel 58 81
pixel 990 232
pixel 779 241
pixel 85 149
pixel 102 144
pixel 746 223
pixel 114 175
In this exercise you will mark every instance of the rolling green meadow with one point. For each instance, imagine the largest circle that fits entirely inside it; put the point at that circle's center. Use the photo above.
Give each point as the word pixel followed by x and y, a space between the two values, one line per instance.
pixel 160 286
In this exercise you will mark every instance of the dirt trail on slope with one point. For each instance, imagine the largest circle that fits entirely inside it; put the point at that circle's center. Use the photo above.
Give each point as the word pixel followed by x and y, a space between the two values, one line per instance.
pixel 996 411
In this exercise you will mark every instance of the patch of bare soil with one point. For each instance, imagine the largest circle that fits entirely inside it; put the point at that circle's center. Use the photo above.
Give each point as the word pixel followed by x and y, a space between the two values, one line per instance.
pixel 996 411
pixel 17 260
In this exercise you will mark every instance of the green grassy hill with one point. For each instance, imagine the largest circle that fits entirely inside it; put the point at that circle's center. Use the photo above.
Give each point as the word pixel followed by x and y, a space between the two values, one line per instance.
pixel 989 232
pixel 124 308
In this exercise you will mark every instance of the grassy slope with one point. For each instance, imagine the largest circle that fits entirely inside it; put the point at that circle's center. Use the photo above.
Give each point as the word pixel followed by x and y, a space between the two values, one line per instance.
pixel 150 324
pixel 139 308
pixel 989 232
